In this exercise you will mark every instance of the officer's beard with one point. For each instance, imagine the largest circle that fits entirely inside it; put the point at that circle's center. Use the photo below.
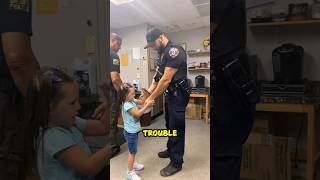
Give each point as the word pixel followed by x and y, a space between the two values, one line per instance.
pixel 161 50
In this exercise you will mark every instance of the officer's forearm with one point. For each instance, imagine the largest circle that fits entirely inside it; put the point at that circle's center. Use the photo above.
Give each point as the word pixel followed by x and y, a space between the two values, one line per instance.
pixel 116 84
pixel 161 87
pixel 23 66
pixel 152 87
pixel 20 59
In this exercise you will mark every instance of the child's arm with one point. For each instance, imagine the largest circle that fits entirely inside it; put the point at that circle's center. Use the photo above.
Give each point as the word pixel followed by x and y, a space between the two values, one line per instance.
pixel 138 113
pixel 97 127
pixel 76 158
pixel 139 102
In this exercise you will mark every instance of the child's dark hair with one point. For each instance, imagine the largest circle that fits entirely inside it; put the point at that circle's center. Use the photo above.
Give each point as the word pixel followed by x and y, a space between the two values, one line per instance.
pixel 124 90
pixel 43 90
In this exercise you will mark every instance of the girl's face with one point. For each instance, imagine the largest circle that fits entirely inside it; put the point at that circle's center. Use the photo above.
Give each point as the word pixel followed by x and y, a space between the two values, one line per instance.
pixel 63 112
pixel 131 94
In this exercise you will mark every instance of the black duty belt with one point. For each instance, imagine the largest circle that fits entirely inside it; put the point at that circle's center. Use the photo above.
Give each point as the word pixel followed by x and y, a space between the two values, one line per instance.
pixel 222 61
pixel 181 84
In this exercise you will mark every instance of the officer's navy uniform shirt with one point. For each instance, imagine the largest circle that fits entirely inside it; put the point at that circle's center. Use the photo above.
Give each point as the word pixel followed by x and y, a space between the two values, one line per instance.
pixel 174 56
pixel 113 65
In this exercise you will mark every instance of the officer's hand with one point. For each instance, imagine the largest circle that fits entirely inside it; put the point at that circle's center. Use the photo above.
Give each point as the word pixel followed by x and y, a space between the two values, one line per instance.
pixel 149 102
pixel 100 110
pixel 146 101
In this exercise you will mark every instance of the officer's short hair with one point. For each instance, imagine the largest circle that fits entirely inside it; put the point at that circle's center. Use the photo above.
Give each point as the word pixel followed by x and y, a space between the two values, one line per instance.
pixel 114 36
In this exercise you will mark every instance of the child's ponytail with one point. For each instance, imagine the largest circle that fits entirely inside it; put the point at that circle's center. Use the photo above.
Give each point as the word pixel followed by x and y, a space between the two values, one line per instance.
pixel 43 90
pixel 124 90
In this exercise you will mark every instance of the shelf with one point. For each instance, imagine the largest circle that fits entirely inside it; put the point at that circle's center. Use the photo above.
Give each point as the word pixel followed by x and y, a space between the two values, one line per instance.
pixel 199 69
pixel 284 23
pixel 201 53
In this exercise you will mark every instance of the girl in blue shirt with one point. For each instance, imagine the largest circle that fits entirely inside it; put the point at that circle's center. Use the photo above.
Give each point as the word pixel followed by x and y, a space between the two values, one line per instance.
pixel 53 101
pixel 131 115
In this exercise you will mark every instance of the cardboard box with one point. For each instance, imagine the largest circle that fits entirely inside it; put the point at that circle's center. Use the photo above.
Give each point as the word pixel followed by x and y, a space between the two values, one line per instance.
pixel 261 126
pixel 258 162
pixel 193 111
pixel 260 139
pixel 283 158
pixel 266 157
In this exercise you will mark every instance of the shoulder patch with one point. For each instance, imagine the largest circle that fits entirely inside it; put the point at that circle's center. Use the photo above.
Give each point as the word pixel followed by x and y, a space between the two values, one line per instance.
pixel 20 5
pixel 174 52
pixel 116 62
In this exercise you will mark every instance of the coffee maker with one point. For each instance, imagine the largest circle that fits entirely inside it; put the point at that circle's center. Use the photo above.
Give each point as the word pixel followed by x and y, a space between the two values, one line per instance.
pixel 199 81
pixel 287 63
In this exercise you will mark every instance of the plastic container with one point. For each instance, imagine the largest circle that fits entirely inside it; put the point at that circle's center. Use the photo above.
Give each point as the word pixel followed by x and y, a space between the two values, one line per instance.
pixel 315 10
pixel 84 72
pixel 136 84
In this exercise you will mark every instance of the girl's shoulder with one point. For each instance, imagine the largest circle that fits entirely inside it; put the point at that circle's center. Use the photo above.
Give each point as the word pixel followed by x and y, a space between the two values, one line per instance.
pixel 127 103
pixel 59 131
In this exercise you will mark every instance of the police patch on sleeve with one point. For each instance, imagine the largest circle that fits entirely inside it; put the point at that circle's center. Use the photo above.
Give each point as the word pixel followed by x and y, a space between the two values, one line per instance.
pixel 116 62
pixel 174 52
pixel 20 5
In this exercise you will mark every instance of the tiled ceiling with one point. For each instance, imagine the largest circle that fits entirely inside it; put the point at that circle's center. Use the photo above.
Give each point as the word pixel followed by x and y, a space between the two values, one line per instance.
pixel 169 15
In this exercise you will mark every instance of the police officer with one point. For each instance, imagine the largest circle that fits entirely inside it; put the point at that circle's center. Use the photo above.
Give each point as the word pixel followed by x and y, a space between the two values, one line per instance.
pixel 17 67
pixel 234 90
pixel 114 70
pixel 171 79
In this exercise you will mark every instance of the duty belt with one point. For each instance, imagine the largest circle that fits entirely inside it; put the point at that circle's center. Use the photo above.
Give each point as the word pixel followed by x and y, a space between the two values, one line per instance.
pixel 226 59
pixel 181 84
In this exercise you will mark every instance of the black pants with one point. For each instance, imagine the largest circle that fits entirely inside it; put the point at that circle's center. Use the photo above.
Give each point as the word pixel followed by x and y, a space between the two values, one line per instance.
pixel 114 115
pixel 231 127
pixel 175 108
pixel 13 148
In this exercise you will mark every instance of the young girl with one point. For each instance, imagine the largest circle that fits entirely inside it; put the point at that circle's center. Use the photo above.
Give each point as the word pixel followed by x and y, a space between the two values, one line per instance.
pixel 53 99
pixel 131 115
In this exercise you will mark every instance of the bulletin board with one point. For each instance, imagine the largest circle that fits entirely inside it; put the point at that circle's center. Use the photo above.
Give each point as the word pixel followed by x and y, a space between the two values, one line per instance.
pixel 47 7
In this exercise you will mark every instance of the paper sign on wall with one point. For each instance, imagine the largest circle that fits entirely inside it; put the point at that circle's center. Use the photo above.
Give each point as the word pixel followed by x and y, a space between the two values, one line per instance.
pixel 124 59
pixel 136 53
pixel 47 7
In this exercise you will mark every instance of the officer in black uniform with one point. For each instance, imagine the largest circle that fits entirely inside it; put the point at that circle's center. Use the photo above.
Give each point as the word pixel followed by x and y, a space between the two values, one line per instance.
pixel 17 67
pixel 171 79
pixel 234 90
pixel 114 75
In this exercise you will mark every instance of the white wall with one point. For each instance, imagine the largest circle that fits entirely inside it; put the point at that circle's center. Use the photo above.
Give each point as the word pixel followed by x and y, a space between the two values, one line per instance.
pixel 193 39
pixel 59 38
pixel 134 37
pixel 263 40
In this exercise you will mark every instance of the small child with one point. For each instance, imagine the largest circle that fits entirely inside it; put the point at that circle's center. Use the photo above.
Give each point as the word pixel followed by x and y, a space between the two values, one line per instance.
pixel 53 99
pixel 131 115
pixel 143 97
